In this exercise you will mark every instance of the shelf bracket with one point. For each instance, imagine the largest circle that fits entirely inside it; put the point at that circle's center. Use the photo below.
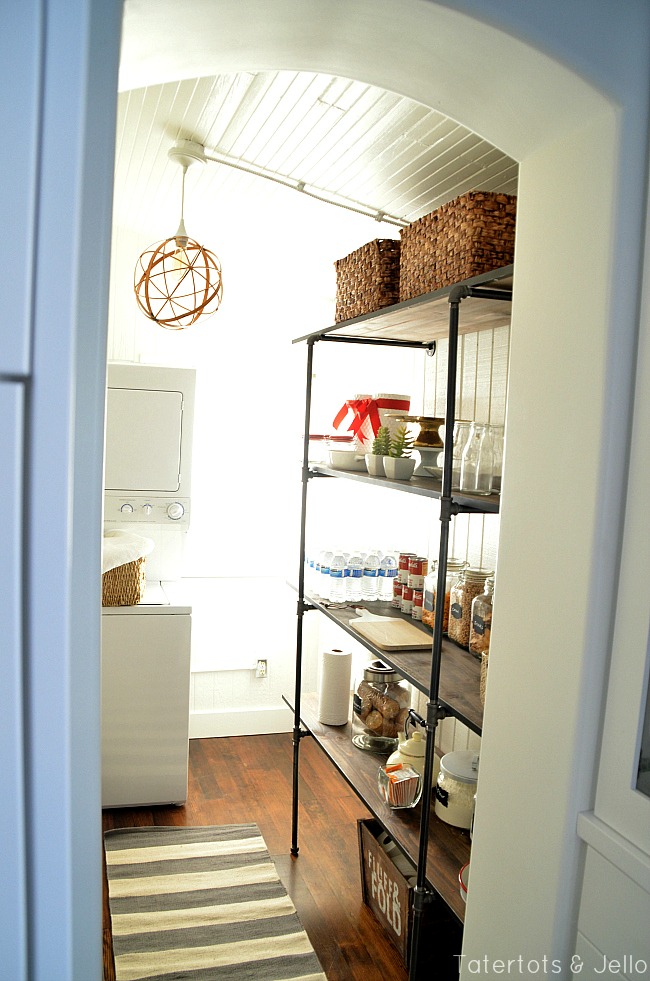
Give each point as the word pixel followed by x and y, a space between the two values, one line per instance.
pixel 421 897
pixel 448 507
pixel 436 712
pixel 299 734
pixel 304 607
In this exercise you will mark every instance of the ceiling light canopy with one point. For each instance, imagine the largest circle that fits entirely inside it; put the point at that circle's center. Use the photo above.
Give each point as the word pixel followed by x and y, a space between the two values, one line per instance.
pixel 177 281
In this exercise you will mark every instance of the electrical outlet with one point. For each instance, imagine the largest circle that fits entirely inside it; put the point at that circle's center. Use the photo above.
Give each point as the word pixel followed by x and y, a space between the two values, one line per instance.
pixel 260 670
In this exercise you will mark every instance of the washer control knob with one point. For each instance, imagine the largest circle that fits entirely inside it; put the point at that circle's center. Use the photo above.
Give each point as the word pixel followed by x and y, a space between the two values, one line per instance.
pixel 127 509
pixel 175 510
pixel 147 508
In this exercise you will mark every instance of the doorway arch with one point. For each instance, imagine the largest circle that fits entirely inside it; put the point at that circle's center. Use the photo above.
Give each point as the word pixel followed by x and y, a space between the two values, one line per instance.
pixel 580 146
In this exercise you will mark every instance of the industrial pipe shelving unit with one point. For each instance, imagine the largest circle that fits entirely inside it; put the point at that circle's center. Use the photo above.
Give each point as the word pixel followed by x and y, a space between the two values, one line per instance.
pixel 448 676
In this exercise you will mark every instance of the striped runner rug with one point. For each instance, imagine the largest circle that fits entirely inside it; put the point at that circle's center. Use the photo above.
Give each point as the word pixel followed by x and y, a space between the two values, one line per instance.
pixel 202 903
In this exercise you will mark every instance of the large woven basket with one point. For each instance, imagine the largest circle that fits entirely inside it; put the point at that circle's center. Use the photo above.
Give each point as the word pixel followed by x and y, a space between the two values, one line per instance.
pixel 471 235
pixel 124 586
pixel 367 279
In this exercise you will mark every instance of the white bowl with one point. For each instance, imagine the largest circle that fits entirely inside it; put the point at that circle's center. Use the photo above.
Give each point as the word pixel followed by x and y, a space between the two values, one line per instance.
pixel 347 459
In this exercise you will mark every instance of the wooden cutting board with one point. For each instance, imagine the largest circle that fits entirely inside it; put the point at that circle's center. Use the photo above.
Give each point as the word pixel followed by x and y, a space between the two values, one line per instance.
pixel 392 635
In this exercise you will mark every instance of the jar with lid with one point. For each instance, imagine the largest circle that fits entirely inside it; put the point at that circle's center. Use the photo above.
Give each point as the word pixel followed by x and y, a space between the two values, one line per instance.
pixel 456 788
pixel 412 750
pixel 454 567
pixel 380 708
pixel 481 621
pixel 469 584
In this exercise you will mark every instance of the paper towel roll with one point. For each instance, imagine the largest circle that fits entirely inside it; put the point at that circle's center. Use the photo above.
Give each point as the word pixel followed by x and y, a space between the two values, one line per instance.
pixel 334 690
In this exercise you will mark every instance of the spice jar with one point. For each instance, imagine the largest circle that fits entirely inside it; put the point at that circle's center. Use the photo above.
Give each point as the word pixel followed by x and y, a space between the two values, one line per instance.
pixel 456 788
pixel 379 708
pixel 469 584
pixel 480 626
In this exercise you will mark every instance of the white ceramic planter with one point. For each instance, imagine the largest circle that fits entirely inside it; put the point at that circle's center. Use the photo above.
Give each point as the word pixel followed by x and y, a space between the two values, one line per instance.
pixel 375 465
pixel 399 467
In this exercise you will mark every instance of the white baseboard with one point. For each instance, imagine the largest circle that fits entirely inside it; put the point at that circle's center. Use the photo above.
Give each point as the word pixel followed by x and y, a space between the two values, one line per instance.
pixel 251 722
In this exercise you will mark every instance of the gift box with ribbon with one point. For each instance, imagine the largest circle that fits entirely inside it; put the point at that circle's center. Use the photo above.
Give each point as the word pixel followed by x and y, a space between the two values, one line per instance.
pixel 366 413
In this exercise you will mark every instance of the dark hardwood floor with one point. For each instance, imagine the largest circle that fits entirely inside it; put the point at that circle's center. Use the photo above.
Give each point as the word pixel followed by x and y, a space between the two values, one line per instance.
pixel 248 778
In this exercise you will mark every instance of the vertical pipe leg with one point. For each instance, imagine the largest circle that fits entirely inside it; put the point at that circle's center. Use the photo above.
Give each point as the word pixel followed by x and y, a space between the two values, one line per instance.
pixel 434 710
pixel 301 603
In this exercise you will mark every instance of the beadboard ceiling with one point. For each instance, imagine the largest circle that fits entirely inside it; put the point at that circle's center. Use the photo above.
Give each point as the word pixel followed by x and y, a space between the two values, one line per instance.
pixel 333 136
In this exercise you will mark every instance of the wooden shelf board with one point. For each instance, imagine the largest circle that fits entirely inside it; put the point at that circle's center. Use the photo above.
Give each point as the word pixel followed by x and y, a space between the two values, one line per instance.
pixel 449 847
pixel 422 486
pixel 426 318
pixel 459 673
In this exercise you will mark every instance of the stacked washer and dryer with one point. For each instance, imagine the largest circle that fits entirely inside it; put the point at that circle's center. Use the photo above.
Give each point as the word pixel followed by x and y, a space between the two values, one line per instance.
pixel 146 648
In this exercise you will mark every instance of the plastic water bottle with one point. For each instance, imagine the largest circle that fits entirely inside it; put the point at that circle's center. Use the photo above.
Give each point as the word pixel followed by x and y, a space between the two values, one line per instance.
pixel 370 580
pixel 323 588
pixel 387 576
pixel 337 578
pixel 354 578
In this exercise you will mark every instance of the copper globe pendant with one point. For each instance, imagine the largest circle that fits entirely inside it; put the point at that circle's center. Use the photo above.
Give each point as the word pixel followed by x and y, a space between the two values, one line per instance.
pixel 177 281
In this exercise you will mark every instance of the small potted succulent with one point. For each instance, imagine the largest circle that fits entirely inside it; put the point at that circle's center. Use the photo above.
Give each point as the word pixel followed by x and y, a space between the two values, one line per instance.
pixel 380 449
pixel 398 463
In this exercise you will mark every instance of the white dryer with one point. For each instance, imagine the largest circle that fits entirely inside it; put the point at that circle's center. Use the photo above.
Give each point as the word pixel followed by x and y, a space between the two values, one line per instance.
pixel 146 648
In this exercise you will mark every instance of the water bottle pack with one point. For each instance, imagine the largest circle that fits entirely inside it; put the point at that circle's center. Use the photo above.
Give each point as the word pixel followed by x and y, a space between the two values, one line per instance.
pixel 342 576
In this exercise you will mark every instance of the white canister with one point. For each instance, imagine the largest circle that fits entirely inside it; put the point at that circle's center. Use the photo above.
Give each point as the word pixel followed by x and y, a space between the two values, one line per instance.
pixel 412 751
pixel 456 788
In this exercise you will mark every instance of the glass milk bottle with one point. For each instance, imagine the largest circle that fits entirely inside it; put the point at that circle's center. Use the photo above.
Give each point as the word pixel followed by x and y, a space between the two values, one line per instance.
pixel 461 435
pixel 477 463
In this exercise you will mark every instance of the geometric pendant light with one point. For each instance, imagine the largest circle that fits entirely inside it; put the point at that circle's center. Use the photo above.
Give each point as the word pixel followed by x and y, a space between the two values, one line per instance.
pixel 177 281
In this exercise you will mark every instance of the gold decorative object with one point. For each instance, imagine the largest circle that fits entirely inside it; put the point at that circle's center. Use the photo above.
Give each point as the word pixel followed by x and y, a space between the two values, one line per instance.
pixel 177 281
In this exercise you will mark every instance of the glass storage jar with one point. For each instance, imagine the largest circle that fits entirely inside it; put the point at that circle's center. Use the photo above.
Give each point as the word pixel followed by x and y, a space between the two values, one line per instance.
pixel 469 584
pixel 454 568
pixel 380 707
pixel 481 620
pixel 456 788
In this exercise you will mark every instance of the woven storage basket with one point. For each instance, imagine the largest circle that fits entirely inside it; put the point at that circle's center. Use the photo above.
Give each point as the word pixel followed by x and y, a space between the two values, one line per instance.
pixel 471 235
pixel 367 279
pixel 483 680
pixel 124 586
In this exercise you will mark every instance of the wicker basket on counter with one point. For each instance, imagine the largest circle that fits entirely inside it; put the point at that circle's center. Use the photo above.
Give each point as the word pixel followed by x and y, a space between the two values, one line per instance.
pixel 124 585
pixel 367 279
pixel 470 235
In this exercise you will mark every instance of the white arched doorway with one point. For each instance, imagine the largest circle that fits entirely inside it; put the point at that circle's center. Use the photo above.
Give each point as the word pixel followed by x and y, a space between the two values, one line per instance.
pixel 582 150
pixel 570 140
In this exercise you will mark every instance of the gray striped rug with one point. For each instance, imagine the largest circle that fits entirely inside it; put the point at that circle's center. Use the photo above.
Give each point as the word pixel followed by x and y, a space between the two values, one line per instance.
pixel 202 903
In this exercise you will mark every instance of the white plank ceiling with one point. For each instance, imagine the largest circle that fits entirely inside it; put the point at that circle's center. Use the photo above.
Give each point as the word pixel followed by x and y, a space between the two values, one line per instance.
pixel 337 138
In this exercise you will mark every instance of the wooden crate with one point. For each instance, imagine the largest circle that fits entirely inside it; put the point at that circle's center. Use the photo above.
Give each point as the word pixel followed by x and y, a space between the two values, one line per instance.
pixel 469 236
pixel 390 897
pixel 367 279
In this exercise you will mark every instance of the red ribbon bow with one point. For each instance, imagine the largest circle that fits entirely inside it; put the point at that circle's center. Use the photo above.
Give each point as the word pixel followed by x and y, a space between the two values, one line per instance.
pixel 363 409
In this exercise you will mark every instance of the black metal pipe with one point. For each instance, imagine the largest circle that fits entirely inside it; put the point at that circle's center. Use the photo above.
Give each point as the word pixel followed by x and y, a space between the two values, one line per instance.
pixel 379 341
pixel 489 294
pixel 301 601
pixel 434 710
